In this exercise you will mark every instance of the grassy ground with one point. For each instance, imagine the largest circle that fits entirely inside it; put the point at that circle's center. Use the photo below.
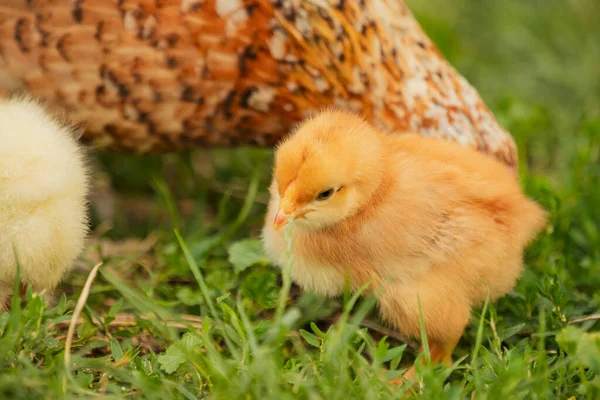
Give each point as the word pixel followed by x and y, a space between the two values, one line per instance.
pixel 185 305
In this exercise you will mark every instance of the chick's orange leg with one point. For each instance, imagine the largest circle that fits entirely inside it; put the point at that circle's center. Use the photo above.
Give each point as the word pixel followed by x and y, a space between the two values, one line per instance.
pixel 440 353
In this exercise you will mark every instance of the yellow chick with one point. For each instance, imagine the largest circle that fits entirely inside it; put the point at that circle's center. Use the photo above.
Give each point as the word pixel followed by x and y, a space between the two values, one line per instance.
pixel 43 196
pixel 423 219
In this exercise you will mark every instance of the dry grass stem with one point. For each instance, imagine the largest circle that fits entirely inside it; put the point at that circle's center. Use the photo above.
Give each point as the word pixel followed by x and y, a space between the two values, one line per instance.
pixel 85 292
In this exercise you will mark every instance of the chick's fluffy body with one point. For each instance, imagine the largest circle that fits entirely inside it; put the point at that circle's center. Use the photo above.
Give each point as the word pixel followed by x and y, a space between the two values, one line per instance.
pixel 422 218
pixel 43 188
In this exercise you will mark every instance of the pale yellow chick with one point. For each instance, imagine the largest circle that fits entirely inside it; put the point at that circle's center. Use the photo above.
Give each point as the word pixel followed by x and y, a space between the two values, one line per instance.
pixel 43 196
pixel 420 218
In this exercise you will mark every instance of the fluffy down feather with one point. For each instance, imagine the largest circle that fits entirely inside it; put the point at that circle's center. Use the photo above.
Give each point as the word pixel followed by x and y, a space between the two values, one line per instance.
pixel 424 220
pixel 43 196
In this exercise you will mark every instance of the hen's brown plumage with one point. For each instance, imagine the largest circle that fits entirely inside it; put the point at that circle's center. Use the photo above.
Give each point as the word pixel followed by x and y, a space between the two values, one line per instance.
pixel 168 74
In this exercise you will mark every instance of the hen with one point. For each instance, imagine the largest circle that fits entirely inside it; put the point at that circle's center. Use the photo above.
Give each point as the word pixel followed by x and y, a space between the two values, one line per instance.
pixel 155 76
pixel 424 220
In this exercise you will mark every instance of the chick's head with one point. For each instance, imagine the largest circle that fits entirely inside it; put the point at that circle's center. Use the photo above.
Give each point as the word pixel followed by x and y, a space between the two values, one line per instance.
pixel 326 170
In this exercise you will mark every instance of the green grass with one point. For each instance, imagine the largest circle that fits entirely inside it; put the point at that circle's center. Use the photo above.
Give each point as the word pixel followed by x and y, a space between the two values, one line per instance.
pixel 186 306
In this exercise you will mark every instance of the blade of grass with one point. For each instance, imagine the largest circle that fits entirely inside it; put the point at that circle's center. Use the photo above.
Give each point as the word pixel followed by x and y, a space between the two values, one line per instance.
pixel 161 187
pixel 15 317
pixel 286 275
pixel 479 337
pixel 197 275
pixel 474 365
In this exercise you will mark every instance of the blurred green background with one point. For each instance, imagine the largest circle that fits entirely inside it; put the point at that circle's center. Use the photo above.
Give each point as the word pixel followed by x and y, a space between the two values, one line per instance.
pixel 535 63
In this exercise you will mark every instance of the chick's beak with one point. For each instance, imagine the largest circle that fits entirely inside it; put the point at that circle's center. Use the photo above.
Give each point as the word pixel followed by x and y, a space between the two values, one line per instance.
pixel 284 213
pixel 281 219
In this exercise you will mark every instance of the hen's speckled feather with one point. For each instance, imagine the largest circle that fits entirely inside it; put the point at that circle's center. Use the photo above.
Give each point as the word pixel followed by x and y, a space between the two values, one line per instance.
pixel 166 75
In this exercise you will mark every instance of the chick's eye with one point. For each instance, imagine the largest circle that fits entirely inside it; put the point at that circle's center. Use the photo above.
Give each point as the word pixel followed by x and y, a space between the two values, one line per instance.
pixel 325 194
